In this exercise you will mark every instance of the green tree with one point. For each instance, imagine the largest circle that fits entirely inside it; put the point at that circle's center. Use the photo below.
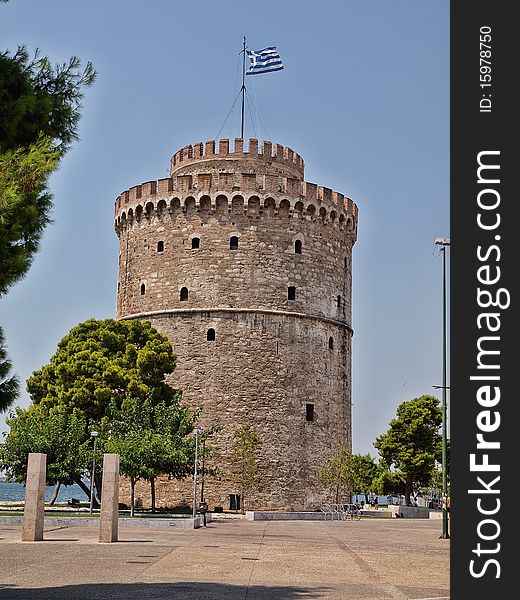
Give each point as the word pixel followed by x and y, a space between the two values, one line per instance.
pixel 151 440
pixel 411 443
pixel 244 461
pixel 364 470
pixel 9 384
pixel 100 361
pixel 388 483
pixel 337 474
pixel 58 433
pixel 97 364
pixel 39 113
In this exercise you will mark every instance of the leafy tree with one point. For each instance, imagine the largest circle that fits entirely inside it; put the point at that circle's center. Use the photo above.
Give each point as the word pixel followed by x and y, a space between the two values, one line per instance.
pixel 364 470
pixel 150 439
pixel 411 443
pixel 337 474
pixel 97 364
pixel 39 113
pixel 244 460
pixel 388 483
pixel 54 431
pixel 8 382
pixel 100 361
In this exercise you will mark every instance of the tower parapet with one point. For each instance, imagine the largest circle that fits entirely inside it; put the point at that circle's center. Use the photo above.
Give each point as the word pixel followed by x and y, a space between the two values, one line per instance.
pixel 266 182
pixel 272 157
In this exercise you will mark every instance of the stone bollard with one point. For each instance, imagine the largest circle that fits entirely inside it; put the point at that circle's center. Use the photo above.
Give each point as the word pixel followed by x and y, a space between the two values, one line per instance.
pixel 109 515
pixel 34 509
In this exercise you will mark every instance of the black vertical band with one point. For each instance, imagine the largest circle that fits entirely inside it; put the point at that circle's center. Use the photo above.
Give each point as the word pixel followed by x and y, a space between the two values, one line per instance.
pixel 485 268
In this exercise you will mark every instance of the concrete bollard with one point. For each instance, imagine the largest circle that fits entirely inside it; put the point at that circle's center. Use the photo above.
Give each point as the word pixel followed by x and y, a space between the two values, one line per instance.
pixel 34 509
pixel 109 515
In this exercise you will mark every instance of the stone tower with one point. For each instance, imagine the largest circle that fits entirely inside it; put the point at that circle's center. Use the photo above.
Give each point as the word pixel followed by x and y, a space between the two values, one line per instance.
pixel 247 269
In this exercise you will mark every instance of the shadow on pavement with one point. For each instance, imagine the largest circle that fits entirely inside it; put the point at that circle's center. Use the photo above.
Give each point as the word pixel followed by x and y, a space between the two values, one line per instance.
pixel 185 590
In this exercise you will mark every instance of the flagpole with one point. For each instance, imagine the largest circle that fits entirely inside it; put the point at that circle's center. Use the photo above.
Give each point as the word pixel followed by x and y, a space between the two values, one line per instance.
pixel 243 90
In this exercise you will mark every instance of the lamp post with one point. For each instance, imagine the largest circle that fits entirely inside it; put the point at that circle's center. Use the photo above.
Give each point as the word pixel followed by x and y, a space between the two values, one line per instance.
pixel 443 243
pixel 203 473
pixel 93 434
pixel 197 431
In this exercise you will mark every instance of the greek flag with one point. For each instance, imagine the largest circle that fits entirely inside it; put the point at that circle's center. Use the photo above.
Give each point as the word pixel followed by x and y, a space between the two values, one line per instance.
pixel 264 61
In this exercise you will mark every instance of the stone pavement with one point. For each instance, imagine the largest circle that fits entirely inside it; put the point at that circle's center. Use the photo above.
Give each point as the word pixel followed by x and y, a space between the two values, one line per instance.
pixel 231 559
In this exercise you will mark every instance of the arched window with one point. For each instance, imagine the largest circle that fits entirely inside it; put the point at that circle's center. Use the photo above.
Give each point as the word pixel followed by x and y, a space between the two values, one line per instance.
pixel 211 335
pixel 233 242
pixel 195 243
pixel 160 246
pixel 291 293
pixel 331 343
pixel 143 289
pixel 184 293
pixel 298 247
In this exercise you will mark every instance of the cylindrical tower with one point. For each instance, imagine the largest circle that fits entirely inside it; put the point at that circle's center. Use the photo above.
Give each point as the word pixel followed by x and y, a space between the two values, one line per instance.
pixel 247 269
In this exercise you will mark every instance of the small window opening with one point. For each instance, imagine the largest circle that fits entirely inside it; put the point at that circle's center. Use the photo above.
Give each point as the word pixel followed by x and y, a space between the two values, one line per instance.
pixel 339 301
pixel 331 343
pixel 195 243
pixel 234 501
pixel 298 247
pixel 291 293
pixel 143 289
pixel 233 243
pixel 160 246
pixel 211 335
pixel 309 412
pixel 184 293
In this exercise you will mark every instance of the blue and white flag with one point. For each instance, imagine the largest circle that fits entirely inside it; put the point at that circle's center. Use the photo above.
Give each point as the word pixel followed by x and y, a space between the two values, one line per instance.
pixel 264 61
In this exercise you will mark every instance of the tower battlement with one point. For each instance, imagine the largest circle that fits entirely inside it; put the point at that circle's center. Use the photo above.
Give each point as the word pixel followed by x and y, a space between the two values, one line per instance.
pixel 200 154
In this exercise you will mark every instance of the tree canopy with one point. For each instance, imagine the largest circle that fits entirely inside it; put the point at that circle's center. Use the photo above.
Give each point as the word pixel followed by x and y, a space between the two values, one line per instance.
pixel 39 113
pixel 364 470
pixel 244 460
pixel 56 432
pixel 103 360
pixel 8 381
pixel 411 443
pixel 337 474
pixel 150 438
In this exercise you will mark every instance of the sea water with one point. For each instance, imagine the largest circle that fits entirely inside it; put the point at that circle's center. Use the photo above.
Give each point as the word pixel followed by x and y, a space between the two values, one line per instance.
pixel 15 492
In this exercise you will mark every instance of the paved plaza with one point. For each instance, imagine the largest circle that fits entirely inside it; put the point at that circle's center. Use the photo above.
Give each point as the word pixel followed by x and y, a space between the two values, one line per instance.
pixel 399 559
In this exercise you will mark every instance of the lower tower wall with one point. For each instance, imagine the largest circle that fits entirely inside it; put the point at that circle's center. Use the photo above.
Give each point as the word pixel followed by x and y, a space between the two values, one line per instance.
pixel 286 362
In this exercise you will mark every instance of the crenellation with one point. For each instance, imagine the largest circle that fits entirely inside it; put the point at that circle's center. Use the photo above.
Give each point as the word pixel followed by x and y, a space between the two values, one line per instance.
pixel 223 147
pixel 210 147
pixel 165 186
pixel 267 149
pixel 198 150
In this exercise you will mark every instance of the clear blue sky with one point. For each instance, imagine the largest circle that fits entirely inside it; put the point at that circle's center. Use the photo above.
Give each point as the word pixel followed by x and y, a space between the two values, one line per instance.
pixel 364 97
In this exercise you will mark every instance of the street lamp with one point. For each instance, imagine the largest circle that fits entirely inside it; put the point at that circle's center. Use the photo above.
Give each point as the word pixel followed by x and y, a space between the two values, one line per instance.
pixel 443 243
pixel 203 472
pixel 93 434
pixel 197 431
